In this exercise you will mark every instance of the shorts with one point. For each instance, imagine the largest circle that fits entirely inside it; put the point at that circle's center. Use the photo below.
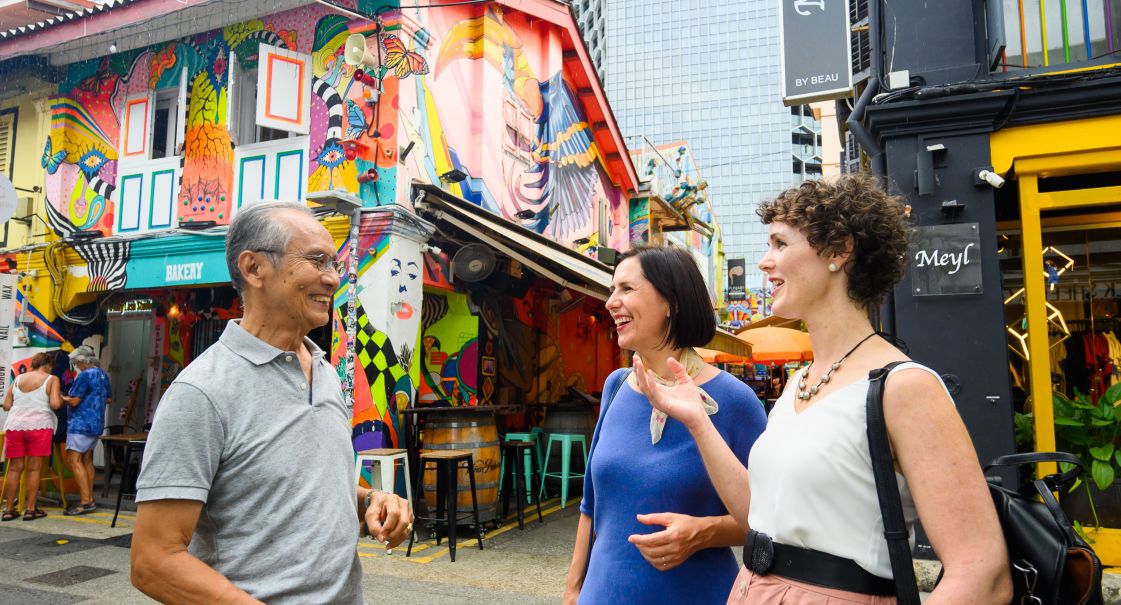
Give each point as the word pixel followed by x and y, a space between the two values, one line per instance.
pixel 770 589
pixel 80 443
pixel 18 444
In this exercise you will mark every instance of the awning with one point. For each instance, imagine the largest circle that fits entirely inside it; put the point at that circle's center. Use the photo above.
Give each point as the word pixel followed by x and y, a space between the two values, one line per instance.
pixel 547 258
pixel 726 342
pixel 711 356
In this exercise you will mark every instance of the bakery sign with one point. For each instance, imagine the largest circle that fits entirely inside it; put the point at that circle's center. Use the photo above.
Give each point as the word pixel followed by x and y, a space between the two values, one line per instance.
pixel 945 260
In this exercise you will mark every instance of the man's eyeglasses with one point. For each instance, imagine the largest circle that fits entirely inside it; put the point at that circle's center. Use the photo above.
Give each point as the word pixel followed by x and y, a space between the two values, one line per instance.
pixel 322 261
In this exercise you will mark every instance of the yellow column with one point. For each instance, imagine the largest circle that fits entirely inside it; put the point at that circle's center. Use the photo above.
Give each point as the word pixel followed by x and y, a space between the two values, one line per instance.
pixel 1036 309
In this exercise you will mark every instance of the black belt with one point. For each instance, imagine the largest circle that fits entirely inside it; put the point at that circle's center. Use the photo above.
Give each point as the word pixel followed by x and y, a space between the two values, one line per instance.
pixel 763 556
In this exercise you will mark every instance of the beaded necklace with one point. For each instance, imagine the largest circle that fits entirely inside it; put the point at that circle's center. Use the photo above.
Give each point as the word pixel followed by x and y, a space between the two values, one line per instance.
pixel 805 394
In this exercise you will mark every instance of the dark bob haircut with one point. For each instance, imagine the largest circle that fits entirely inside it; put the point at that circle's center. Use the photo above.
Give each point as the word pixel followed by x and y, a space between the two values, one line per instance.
pixel 674 274
pixel 853 206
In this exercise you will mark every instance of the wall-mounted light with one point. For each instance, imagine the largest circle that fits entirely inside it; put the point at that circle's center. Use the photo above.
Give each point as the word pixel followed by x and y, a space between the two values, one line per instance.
pixel 112 48
pixel 173 312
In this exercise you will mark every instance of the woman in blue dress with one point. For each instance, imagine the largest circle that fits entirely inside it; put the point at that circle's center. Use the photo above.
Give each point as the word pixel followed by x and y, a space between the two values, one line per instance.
pixel 661 534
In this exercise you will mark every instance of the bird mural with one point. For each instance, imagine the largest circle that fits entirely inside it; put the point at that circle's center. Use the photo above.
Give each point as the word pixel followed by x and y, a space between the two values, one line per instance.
pixel 558 189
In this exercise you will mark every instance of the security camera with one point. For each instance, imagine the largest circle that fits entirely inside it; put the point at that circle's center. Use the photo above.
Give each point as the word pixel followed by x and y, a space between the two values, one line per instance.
pixel 991 178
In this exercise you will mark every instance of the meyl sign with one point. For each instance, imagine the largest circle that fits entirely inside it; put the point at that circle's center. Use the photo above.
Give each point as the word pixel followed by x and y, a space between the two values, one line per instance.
pixel 946 259
pixel 816 65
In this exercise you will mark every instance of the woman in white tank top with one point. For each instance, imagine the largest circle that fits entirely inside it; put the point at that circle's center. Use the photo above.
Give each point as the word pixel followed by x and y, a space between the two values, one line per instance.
pixel 28 432
pixel 835 249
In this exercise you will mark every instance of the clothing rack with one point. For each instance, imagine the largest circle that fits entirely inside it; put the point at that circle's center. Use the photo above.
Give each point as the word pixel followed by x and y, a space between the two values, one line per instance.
pixel 1099 324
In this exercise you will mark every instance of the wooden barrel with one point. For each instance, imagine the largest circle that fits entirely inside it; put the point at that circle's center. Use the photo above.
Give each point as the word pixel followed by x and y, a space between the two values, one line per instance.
pixel 474 431
pixel 568 419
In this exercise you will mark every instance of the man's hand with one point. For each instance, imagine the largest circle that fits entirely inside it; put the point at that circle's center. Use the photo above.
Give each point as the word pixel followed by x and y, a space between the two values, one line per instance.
pixel 389 518
pixel 683 535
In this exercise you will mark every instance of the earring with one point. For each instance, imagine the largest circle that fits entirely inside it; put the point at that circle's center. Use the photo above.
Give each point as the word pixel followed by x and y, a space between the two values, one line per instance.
pixel 833 267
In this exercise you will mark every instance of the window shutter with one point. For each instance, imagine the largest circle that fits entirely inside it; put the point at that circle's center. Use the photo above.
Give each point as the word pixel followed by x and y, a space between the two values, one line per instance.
pixel 284 89
pixel 136 127
pixel 7 124
pixel 233 81
pixel 181 112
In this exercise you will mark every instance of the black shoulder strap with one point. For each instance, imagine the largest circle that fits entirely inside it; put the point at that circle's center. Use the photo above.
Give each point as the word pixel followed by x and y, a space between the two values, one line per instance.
pixel 603 404
pixel 887 488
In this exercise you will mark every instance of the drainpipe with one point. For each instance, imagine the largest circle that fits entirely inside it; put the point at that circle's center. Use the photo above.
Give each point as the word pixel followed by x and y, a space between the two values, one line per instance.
pixel 855 122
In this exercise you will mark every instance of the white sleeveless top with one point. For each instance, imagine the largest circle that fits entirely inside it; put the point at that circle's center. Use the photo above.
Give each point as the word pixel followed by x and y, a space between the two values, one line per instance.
pixel 30 411
pixel 811 478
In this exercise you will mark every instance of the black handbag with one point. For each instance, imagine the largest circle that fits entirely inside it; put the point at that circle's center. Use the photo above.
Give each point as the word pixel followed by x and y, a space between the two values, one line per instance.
pixel 1050 564
pixel 1050 561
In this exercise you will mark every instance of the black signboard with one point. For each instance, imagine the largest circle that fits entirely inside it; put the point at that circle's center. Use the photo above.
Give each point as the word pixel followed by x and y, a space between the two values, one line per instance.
pixel 946 259
pixel 814 37
pixel 737 279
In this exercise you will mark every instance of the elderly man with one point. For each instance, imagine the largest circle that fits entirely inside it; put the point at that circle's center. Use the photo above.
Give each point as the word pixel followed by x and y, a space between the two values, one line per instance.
pixel 88 397
pixel 246 491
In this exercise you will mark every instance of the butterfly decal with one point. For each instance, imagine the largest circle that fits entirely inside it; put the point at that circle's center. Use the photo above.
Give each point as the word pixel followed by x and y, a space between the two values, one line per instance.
pixel 101 82
pixel 355 119
pixel 52 160
pixel 403 62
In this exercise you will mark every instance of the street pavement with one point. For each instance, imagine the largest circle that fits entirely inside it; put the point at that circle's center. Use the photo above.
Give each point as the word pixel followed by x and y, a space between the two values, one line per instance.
pixel 62 560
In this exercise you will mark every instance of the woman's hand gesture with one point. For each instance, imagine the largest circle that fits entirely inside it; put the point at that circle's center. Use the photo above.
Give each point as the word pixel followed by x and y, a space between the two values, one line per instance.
pixel 681 401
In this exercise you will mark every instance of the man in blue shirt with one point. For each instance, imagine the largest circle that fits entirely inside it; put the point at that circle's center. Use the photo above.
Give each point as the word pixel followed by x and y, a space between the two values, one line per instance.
pixel 88 396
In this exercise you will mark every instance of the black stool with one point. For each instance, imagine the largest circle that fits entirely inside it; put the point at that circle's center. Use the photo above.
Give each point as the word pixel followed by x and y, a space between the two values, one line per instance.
pixel 128 480
pixel 447 465
pixel 514 452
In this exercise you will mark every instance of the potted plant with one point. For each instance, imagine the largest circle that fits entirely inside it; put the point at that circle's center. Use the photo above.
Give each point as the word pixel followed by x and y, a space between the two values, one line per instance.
pixel 1093 433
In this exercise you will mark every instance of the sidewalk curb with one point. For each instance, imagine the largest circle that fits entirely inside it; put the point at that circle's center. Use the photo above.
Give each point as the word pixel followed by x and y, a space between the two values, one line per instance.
pixel 926 572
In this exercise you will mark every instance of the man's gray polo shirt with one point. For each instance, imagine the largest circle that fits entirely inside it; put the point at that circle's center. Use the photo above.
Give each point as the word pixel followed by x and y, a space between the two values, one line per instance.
pixel 271 459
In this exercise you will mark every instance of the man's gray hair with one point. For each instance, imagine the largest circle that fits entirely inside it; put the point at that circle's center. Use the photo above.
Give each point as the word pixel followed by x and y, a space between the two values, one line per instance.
pixel 84 355
pixel 255 229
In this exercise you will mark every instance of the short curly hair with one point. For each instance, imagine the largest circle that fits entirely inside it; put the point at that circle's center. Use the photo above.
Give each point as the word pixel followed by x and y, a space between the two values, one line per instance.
pixel 828 212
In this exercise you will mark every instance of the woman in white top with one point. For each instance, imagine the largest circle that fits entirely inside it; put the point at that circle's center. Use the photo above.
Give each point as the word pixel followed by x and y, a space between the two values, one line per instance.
pixel 28 432
pixel 835 249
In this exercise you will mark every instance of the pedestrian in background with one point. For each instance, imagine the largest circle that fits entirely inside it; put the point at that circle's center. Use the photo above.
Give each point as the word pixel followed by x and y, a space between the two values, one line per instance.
pixel 835 249
pixel 662 534
pixel 87 399
pixel 28 432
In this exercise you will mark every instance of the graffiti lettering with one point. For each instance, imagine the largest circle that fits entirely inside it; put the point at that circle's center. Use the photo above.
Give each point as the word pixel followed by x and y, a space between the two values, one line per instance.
pixel 800 6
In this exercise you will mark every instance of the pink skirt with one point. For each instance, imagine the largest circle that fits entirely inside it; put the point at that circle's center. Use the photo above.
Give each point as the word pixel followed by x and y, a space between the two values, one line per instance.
pixel 752 589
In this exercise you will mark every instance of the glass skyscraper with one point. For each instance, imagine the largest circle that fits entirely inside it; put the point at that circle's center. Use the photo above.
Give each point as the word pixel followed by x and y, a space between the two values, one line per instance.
pixel 708 73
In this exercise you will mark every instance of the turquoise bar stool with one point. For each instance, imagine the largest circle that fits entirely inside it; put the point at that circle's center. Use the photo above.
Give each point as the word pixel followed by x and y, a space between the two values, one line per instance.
pixel 534 451
pixel 565 443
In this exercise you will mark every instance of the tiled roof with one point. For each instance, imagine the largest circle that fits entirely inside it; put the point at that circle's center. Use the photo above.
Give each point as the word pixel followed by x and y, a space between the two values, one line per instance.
pixel 63 18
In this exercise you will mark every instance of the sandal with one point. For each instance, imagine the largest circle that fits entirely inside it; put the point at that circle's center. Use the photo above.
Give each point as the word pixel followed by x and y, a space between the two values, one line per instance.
pixel 33 514
pixel 9 515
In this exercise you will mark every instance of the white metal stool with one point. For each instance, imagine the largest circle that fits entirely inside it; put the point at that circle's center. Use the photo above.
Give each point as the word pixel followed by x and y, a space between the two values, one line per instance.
pixel 385 474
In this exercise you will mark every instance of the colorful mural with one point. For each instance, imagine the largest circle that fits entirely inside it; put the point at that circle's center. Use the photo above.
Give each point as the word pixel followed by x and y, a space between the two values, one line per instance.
pixel 385 369
pixel 755 307
pixel 496 106
pixel 106 103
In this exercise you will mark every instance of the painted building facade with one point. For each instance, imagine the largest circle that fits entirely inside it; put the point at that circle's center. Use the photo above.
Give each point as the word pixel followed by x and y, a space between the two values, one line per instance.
pixel 143 155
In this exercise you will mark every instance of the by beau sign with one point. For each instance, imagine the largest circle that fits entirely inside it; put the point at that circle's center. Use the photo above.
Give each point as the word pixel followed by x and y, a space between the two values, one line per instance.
pixel 814 38
pixel 946 259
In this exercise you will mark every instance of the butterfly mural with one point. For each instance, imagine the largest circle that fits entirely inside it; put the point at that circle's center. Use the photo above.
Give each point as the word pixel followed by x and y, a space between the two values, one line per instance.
pixel 402 61
pixel 355 120
pixel 52 159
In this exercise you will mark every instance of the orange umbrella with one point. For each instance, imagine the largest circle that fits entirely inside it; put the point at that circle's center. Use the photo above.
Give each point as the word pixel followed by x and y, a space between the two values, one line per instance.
pixel 778 345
